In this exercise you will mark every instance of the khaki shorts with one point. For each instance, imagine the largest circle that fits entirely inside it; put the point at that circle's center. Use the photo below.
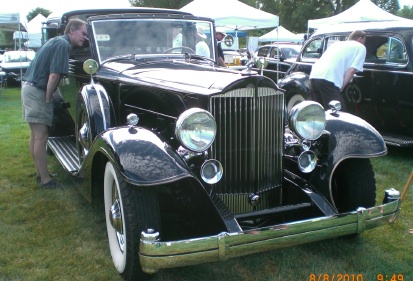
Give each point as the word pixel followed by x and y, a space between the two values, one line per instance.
pixel 34 107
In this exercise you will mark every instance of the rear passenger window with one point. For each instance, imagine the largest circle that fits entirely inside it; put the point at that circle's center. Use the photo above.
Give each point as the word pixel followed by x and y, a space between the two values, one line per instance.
pixel 385 50
pixel 397 52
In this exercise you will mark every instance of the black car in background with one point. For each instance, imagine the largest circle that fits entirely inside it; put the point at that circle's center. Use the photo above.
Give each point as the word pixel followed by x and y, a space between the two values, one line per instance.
pixel 383 93
pixel 198 163
pixel 280 55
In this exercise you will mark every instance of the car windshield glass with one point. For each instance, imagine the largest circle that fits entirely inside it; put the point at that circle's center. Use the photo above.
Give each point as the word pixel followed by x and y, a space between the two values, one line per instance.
pixel 290 52
pixel 151 37
pixel 18 56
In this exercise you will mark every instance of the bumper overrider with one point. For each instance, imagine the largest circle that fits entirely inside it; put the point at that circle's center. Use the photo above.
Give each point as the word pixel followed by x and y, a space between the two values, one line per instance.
pixel 155 255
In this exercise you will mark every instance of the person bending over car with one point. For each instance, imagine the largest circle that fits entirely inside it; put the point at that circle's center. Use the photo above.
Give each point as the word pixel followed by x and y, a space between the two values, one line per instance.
pixel 39 83
pixel 335 69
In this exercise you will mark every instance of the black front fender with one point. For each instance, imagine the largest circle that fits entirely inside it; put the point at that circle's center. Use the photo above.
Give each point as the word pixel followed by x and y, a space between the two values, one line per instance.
pixel 141 156
pixel 346 136
pixel 295 83
pixel 351 136
pixel 98 106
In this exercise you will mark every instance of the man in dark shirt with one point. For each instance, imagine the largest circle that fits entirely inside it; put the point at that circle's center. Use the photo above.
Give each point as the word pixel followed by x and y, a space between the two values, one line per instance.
pixel 39 83
pixel 220 34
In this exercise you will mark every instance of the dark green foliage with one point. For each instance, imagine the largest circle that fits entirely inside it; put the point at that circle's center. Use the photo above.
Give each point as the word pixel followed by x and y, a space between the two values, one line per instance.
pixel 406 12
pixel 33 13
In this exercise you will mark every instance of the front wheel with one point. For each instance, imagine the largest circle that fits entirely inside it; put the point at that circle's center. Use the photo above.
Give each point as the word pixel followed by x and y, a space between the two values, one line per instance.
pixel 354 185
pixel 129 210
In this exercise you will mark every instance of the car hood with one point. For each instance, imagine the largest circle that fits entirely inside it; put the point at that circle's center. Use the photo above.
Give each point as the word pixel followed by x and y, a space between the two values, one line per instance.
pixel 200 79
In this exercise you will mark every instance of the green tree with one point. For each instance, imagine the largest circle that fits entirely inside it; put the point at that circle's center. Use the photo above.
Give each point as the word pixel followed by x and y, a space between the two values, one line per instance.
pixel 33 13
pixel 406 12
pixel 294 14
pixel 6 39
pixel 391 6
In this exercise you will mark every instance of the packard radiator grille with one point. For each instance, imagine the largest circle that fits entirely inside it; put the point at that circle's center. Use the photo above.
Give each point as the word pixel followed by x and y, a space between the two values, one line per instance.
pixel 249 143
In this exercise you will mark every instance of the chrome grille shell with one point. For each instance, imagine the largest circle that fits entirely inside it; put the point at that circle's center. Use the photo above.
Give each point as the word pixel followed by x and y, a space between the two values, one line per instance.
pixel 249 143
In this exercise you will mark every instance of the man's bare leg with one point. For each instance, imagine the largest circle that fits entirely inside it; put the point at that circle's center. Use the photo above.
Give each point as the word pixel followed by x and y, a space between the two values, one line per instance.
pixel 31 147
pixel 39 134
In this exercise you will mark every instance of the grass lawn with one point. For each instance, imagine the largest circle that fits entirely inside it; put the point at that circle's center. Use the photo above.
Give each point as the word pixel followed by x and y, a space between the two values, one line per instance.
pixel 57 235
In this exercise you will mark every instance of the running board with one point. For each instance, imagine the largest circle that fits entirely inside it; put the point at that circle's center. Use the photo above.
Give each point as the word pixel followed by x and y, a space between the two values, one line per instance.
pixel 64 148
pixel 397 140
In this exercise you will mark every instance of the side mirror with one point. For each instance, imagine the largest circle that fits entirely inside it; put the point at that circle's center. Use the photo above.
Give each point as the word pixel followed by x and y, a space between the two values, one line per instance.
pixel 90 66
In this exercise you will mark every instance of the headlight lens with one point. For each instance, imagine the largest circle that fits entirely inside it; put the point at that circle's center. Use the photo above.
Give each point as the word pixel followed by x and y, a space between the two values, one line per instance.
pixel 307 120
pixel 196 129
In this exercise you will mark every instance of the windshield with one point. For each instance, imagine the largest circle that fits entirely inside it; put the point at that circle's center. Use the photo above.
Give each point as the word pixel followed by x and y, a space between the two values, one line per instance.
pixel 18 56
pixel 151 37
pixel 291 52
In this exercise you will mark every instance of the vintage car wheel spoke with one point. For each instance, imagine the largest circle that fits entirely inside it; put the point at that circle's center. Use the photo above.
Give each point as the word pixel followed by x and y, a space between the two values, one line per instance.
pixel 116 219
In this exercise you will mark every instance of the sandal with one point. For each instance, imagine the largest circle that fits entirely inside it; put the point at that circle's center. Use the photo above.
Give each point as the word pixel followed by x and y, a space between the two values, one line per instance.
pixel 39 179
pixel 51 184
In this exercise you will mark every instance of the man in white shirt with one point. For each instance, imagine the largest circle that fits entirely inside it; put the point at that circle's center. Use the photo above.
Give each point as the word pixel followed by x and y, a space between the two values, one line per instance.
pixel 177 37
pixel 335 69
pixel 201 48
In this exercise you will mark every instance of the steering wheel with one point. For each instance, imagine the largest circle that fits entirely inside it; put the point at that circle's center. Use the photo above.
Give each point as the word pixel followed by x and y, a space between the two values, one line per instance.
pixel 183 48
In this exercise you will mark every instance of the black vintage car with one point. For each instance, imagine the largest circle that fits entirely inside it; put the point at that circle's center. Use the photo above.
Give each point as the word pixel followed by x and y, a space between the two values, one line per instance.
pixel 279 55
pixel 199 163
pixel 382 94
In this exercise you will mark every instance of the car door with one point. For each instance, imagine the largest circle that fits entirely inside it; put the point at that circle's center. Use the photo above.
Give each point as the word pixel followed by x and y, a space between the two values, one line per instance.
pixel 382 93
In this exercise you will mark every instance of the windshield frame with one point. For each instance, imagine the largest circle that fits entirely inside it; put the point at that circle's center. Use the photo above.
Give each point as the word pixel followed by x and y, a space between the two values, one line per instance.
pixel 113 36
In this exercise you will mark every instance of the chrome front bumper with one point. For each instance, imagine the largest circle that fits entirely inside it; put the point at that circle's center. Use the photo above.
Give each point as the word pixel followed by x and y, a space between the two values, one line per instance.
pixel 155 255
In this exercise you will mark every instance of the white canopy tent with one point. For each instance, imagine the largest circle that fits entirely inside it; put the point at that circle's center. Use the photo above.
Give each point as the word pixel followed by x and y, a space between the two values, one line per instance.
pixel 34 28
pixel 232 14
pixel 362 11
pixel 281 34
pixel 12 22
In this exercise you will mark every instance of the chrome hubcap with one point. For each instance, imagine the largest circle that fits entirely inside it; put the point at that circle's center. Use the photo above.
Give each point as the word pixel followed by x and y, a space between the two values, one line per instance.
pixel 115 216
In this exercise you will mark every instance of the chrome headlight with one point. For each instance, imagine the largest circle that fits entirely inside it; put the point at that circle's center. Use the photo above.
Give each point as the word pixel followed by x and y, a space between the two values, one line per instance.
pixel 307 119
pixel 196 129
